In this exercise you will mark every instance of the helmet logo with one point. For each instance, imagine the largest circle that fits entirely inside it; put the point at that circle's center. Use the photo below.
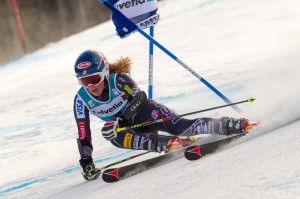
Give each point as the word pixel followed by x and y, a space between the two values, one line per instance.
pixel 84 64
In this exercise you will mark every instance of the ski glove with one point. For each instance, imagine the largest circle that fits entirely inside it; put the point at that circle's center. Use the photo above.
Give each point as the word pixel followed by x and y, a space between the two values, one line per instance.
pixel 89 171
pixel 109 129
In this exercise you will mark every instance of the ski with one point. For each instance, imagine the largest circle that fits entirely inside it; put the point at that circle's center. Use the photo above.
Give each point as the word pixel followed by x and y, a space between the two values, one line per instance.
pixel 208 145
pixel 116 174
pixel 196 150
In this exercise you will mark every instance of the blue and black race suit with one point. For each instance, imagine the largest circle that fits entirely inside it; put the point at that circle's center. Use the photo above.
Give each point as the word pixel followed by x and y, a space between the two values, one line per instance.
pixel 114 100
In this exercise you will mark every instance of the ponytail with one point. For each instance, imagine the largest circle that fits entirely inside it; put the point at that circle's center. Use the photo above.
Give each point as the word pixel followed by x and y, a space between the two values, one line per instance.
pixel 123 65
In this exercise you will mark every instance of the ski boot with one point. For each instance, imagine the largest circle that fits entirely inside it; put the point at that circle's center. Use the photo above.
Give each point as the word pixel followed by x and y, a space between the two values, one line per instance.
pixel 237 126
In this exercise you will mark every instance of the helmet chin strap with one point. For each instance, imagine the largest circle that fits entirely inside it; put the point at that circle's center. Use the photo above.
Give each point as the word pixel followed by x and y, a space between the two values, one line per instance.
pixel 105 84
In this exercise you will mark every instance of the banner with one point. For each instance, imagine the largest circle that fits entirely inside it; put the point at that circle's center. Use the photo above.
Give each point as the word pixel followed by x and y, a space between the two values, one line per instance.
pixel 143 13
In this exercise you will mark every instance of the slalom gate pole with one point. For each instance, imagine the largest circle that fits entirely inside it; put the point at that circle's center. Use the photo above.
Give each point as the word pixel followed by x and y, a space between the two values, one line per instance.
pixel 124 160
pixel 211 87
pixel 150 86
pixel 251 99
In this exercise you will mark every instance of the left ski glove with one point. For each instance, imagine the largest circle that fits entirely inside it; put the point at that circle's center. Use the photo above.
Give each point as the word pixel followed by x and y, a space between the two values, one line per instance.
pixel 89 171
pixel 109 129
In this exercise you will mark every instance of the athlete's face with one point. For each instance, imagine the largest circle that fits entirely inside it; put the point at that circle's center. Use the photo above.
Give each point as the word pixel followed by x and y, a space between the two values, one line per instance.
pixel 96 90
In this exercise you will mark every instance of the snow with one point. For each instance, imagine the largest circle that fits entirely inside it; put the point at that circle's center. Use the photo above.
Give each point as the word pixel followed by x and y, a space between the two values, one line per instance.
pixel 244 48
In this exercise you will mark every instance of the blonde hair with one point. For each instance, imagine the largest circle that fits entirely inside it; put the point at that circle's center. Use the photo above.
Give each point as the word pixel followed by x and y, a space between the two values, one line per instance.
pixel 123 65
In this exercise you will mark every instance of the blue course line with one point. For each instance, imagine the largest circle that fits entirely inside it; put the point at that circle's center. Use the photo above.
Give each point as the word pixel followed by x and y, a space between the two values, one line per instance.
pixel 60 173
pixel 21 186
pixel 14 128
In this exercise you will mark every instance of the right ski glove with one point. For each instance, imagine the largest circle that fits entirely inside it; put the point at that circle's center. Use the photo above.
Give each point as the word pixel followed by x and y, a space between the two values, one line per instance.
pixel 89 171
pixel 109 129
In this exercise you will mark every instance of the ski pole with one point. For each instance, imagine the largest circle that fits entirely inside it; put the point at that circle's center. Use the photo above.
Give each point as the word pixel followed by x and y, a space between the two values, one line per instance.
pixel 132 26
pixel 115 163
pixel 251 99
pixel 124 160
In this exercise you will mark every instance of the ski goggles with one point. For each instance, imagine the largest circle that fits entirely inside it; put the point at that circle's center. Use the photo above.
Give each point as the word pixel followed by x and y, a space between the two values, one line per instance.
pixel 93 79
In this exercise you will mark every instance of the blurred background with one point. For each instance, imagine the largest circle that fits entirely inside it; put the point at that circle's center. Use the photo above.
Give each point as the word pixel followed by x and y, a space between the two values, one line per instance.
pixel 43 22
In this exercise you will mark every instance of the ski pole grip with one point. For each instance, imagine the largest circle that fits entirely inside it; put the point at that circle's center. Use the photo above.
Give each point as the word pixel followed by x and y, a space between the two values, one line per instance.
pixel 251 99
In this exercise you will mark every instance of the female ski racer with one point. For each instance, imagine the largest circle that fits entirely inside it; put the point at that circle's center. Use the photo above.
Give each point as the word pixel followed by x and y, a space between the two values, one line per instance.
pixel 111 95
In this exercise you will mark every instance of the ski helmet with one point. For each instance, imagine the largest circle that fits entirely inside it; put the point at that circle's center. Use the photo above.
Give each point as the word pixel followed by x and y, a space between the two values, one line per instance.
pixel 91 62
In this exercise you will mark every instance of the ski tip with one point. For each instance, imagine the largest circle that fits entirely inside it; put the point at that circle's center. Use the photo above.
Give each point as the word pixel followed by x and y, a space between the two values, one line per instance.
pixel 251 125
pixel 111 175
pixel 251 99
pixel 193 153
